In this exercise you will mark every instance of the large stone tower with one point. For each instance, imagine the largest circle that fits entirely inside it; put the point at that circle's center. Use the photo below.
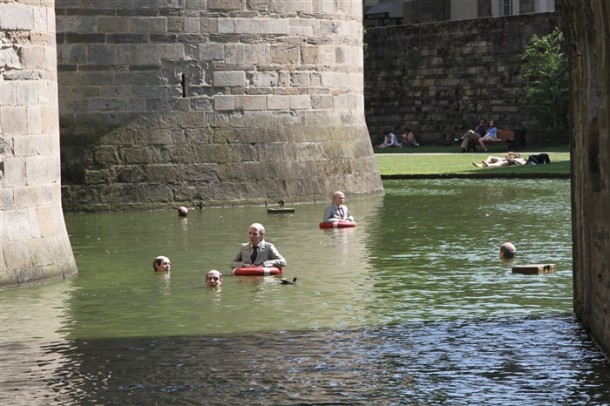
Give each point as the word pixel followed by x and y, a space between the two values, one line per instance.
pixel 217 101
pixel 34 244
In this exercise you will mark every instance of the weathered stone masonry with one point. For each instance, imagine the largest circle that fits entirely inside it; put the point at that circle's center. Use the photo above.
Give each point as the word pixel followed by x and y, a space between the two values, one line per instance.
pixel 439 78
pixel 211 102
pixel 34 243
pixel 588 36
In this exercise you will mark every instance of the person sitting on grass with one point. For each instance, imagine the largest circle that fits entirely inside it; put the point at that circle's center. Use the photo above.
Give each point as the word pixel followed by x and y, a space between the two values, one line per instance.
pixel 408 138
pixel 511 158
pixel 390 140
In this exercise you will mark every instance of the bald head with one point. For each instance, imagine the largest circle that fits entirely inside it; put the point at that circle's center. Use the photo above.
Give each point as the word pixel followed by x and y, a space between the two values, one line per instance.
pixel 507 250
pixel 213 278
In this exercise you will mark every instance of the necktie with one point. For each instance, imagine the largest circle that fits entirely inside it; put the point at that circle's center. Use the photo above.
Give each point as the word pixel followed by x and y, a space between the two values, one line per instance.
pixel 253 254
pixel 340 213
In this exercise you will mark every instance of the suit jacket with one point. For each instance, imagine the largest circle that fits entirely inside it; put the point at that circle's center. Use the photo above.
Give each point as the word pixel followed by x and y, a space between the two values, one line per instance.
pixel 267 255
pixel 332 214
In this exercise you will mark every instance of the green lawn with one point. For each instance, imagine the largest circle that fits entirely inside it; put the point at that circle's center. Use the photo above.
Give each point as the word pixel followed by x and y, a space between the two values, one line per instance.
pixel 446 161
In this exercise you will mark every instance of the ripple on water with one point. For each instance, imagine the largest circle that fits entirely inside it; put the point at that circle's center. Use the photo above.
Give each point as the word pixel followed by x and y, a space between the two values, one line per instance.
pixel 464 362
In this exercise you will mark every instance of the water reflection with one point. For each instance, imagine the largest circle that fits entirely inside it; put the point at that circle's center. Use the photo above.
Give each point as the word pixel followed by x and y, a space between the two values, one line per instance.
pixel 411 306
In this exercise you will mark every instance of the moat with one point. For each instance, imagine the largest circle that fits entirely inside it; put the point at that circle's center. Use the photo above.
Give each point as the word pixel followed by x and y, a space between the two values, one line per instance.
pixel 413 306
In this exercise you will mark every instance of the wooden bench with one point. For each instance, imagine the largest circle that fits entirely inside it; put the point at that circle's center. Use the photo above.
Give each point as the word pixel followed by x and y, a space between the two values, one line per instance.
pixel 503 136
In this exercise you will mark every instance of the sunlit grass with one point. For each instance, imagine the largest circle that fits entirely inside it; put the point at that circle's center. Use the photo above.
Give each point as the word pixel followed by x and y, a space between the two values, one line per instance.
pixel 445 161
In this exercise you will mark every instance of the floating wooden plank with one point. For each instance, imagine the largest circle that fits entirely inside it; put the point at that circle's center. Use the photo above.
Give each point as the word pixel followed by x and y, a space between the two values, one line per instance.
pixel 277 210
pixel 534 269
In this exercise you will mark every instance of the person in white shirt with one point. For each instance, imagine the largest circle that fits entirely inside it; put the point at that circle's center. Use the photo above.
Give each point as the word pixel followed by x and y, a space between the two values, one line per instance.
pixel 390 140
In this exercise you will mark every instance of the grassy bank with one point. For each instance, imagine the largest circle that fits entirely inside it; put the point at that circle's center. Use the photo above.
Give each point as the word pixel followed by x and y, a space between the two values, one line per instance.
pixel 446 162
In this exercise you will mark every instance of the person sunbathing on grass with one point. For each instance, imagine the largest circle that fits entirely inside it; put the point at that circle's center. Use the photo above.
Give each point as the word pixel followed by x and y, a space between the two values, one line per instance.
pixel 511 158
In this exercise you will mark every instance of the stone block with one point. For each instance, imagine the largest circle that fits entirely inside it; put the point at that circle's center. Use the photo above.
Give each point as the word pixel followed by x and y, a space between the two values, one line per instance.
pixel 49 119
pixel 278 26
pixel 299 79
pixel 112 24
pixel 302 28
pixel 265 79
pixel 35 195
pixel 49 223
pixel 200 173
pixel 255 102
pixel 222 103
pixel 210 25
pixel 302 102
pixel 34 118
pixel 150 55
pixel 17 17
pixel 226 26
pixel 42 170
pixel 151 192
pixel 14 172
pixel 229 78
pixel 285 54
pixel 226 5
pixel 28 93
pixel 101 54
pixel 35 58
pixel 321 102
pixel 192 25
pixel 107 104
pixel 299 6
pixel 258 54
pixel 310 55
pixel 24 146
pixel 211 51
pixel 250 26
pixel 147 25
pixel 235 55
pixel 162 173
pixel 278 102
pixel 18 226
pixel 98 176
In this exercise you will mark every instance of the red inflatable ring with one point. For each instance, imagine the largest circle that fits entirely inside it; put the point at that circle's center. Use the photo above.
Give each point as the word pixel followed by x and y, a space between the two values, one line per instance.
pixel 338 224
pixel 257 271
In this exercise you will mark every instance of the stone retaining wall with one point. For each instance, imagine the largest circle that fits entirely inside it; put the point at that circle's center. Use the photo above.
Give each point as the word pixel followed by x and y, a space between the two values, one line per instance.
pixel 439 78
pixel 34 244
pixel 211 102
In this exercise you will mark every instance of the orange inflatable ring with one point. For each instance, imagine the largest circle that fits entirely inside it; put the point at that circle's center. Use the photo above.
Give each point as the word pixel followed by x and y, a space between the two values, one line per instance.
pixel 338 224
pixel 257 271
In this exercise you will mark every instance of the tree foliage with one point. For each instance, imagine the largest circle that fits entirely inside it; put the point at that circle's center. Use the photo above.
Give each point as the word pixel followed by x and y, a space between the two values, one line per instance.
pixel 546 76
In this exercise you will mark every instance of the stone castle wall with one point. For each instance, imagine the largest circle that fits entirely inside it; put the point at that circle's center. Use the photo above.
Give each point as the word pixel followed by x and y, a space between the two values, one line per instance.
pixel 588 35
pixel 34 244
pixel 211 102
pixel 439 78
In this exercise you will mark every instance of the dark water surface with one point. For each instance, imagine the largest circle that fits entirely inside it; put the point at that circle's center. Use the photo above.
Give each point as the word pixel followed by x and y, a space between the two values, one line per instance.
pixel 412 306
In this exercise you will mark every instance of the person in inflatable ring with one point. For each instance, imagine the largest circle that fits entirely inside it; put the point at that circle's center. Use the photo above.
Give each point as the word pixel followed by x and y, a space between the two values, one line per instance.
pixel 337 211
pixel 257 252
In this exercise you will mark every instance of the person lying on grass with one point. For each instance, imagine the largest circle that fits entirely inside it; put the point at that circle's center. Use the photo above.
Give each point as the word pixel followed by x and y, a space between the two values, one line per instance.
pixel 511 158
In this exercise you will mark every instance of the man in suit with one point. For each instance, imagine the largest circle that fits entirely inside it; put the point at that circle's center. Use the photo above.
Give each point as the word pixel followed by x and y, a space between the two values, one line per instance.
pixel 337 211
pixel 258 252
